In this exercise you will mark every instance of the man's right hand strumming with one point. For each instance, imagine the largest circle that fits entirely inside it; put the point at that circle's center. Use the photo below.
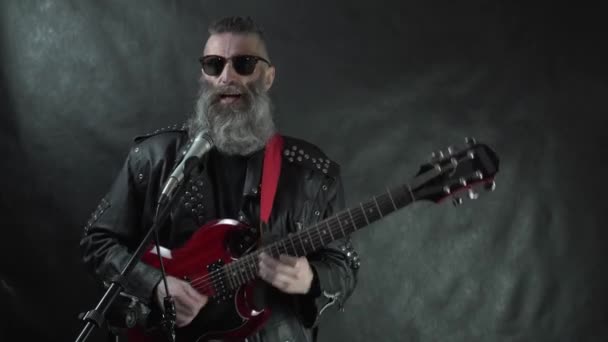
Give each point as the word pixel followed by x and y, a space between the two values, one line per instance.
pixel 188 301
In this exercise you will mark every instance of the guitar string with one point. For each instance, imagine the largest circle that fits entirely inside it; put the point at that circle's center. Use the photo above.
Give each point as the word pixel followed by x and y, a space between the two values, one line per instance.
pixel 206 282
pixel 316 238
pixel 207 286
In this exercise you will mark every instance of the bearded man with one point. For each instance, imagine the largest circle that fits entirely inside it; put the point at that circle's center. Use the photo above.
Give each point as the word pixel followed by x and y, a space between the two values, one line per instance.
pixel 235 109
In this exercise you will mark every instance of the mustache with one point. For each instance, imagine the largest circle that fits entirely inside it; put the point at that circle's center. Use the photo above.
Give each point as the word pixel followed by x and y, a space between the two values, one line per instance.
pixel 213 94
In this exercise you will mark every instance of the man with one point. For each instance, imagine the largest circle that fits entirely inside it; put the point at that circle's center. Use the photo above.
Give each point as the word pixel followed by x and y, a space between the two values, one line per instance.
pixel 235 108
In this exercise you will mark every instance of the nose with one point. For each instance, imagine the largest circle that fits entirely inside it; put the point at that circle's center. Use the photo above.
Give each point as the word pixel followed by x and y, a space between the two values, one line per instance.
pixel 228 75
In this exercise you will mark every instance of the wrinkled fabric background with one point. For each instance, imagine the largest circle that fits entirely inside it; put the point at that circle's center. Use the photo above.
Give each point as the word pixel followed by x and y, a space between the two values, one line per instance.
pixel 378 86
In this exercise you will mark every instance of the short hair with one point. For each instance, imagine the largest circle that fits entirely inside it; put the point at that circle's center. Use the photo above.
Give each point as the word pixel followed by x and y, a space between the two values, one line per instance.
pixel 236 24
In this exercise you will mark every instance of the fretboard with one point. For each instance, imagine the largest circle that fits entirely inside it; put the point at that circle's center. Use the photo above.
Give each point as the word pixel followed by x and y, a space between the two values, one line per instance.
pixel 310 239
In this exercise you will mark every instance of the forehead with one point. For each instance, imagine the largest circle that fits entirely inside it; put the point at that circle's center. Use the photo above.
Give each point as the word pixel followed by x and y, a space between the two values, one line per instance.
pixel 230 44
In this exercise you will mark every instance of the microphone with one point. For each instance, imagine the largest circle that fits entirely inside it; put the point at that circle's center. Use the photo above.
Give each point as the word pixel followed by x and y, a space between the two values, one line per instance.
pixel 202 144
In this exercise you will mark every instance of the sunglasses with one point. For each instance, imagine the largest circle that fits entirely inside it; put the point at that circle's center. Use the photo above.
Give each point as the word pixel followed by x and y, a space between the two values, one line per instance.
pixel 243 64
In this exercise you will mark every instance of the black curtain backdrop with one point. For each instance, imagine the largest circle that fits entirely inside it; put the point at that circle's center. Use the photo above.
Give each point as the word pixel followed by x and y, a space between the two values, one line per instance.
pixel 378 86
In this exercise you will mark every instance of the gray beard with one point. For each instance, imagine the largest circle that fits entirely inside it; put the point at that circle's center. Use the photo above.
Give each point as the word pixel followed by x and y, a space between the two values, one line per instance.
pixel 236 129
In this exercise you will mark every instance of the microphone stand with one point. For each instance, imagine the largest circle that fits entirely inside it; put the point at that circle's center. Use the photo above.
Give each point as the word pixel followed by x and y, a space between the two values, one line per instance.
pixel 95 317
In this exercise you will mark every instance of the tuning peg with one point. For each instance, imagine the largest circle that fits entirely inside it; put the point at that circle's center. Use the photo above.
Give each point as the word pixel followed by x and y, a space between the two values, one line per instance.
pixel 436 156
pixel 490 186
pixel 470 141
pixel 472 194
pixel 456 201
pixel 450 150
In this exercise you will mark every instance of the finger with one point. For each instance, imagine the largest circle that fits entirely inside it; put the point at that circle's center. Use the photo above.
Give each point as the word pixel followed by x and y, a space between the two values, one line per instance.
pixel 264 271
pixel 183 319
pixel 194 294
pixel 276 278
pixel 180 322
pixel 282 282
pixel 267 273
pixel 263 257
pixel 181 316
pixel 281 267
pixel 287 270
pixel 185 304
pixel 288 259
pixel 269 261
pixel 189 305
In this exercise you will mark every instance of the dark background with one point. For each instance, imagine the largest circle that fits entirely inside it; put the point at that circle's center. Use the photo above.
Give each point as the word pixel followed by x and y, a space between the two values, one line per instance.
pixel 377 85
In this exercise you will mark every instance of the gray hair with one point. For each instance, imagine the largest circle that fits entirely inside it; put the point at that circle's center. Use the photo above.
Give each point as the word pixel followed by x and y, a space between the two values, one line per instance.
pixel 236 24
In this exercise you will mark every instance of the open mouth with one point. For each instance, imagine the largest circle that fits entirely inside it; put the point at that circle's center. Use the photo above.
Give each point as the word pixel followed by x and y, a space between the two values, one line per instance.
pixel 230 97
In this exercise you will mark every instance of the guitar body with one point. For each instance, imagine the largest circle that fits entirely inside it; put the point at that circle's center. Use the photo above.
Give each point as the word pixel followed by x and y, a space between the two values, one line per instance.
pixel 229 314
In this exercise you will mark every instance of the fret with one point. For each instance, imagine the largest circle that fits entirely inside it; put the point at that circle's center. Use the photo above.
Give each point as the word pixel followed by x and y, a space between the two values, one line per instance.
pixel 317 227
pixel 227 278
pixel 254 269
pixel 290 236
pixel 377 206
pixel 299 235
pixel 245 269
pixel 282 245
pixel 410 192
pixel 233 282
pixel 364 214
pixel 371 217
pixel 351 219
pixel 237 274
pixel 243 272
pixel 228 272
pixel 391 197
pixel 253 264
pixel 329 229
pixel 340 224
pixel 309 238
pixel 235 271
pixel 305 239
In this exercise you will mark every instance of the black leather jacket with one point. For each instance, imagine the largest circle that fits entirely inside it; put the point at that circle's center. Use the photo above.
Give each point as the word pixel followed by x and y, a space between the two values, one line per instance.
pixel 309 190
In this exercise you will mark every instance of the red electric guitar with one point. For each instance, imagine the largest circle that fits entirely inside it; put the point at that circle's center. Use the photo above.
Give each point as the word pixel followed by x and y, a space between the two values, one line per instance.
pixel 208 262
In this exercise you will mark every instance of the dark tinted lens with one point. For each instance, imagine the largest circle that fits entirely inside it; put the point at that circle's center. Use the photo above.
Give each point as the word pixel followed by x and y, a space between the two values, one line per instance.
pixel 213 65
pixel 244 65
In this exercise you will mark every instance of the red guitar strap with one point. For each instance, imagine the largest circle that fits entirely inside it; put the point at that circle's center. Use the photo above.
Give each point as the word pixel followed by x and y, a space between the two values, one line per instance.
pixel 270 177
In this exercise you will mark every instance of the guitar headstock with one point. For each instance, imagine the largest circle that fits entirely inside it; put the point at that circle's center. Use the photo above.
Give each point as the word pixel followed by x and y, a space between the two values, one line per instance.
pixel 455 172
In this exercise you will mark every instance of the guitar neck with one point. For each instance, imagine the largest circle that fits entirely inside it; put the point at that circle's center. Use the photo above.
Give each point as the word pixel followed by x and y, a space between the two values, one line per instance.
pixel 330 229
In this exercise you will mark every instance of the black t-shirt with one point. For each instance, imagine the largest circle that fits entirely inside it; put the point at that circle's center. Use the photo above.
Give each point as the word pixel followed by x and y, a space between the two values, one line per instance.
pixel 227 173
pixel 227 177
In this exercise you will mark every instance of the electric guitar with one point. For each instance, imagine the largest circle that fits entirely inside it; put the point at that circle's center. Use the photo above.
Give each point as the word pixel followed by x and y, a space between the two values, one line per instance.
pixel 209 262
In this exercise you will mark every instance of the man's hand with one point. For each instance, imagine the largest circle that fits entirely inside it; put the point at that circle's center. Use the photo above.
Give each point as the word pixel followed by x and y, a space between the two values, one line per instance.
pixel 188 301
pixel 288 274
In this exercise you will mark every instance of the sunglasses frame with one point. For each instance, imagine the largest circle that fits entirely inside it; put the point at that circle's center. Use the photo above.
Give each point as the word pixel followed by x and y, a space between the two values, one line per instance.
pixel 226 59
